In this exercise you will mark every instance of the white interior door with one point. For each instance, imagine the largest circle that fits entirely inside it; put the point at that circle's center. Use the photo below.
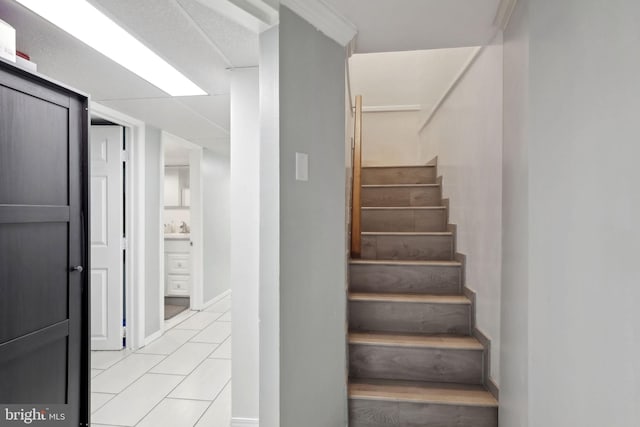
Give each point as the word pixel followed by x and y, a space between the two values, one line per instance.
pixel 106 237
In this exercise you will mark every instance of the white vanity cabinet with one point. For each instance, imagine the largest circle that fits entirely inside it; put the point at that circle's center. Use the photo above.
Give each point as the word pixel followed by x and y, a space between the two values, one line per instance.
pixel 177 267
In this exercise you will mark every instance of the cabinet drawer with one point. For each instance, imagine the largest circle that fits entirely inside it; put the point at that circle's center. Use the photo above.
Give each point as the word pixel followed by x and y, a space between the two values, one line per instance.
pixel 178 264
pixel 177 285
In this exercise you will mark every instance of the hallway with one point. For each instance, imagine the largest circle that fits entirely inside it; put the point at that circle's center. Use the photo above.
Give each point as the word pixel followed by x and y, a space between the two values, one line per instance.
pixel 182 378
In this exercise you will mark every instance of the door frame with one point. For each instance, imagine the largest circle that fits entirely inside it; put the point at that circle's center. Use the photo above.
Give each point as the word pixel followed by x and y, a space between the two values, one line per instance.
pixel 195 177
pixel 135 274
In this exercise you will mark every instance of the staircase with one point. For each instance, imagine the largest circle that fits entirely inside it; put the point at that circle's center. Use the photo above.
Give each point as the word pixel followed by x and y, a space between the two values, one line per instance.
pixel 412 358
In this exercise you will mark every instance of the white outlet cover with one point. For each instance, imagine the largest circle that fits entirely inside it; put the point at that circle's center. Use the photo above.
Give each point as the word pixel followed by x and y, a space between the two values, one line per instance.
pixel 302 167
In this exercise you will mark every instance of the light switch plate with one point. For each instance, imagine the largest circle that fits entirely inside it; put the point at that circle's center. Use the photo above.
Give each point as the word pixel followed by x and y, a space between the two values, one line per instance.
pixel 302 167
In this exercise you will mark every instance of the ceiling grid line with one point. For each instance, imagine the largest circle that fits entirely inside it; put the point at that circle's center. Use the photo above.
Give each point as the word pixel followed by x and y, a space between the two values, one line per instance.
pixel 200 31
pixel 197 113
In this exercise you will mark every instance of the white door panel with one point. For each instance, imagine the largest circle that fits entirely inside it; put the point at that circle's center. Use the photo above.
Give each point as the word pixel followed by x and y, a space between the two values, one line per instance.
pixel 106 237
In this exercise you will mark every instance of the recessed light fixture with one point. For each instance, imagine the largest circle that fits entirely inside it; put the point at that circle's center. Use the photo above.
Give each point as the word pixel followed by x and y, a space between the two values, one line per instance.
pixel 89 25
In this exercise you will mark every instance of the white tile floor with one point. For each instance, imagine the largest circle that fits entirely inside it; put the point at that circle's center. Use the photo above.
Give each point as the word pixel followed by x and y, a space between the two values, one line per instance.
pixel 181 379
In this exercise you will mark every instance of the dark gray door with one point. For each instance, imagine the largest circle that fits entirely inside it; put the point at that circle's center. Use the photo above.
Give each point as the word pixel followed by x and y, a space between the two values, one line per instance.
pixel 43 281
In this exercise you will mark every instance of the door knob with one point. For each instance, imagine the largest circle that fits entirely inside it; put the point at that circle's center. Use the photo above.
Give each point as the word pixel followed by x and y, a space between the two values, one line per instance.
pixel 77 268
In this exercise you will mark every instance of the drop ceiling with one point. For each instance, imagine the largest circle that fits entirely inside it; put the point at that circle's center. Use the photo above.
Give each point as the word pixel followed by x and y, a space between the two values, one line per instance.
pixel 201 43
pixel 398 25
pixel 204 39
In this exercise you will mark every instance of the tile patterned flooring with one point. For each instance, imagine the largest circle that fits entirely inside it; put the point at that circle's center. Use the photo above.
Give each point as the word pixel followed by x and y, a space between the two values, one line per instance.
pixel 182 379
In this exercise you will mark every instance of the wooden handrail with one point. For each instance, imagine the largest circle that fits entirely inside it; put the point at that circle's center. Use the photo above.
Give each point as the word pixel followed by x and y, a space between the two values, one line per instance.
pixel 357 172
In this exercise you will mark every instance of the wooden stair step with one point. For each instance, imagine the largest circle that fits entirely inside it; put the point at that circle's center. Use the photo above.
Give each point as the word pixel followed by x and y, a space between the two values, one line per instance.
pixel 410 313
pixel 401 186
pixel 387 195
pixel 406 263
pixel 421 174
pixel 449 359
pixel 408 245
pixel 393 276
pixel 404 218
pixel 422 392
pixel 415 298
pixel 388 403
pixel 415 341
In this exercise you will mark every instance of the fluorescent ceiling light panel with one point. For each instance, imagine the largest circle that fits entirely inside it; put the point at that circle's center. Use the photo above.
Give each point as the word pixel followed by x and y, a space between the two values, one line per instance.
pixel 89 25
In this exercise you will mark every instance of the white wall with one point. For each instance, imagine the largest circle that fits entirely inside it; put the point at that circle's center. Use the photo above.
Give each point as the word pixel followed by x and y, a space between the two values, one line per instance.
pixel 584 205
pixel 312 228
pixel 415 79
pixel 405 78
pixel 514 333
pixel 245 242
pixel 466 135
pixel 216 223
pixel 153 229
pixel 390 138
pixel 197 227
pixel 269 230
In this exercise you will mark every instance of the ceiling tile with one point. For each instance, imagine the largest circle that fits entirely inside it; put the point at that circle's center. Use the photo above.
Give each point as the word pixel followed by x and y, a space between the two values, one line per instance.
pixel 386 26
pixel 215 108
pixel 170 115
pixel 65 58
pixel 236 42
pixel 167 29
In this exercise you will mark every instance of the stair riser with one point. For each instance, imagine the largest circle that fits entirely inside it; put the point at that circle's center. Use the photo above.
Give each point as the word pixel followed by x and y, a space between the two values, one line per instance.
pixel 429 318
pixel 376 413
pixel 415 364
pixel 436 280
pixel 434 248
pixel 401 196
pixel 404 220
pixel 381 176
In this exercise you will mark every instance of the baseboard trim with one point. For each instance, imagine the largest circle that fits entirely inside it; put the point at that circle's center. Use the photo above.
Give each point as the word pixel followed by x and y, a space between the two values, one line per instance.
pixel 244 422
pixel 486 343
pixel 493 388
pixel 479 335
pixel 215 300
pixel 472 297
pixel 154 336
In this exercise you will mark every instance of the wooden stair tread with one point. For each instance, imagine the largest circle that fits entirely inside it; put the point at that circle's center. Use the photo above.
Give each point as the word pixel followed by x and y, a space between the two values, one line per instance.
pixel 407 233
pixel 398 185
pixel 402 166
pixel 405 208
pixel 415 298
pixel 421 392
pixel 415 341
pixel 414 263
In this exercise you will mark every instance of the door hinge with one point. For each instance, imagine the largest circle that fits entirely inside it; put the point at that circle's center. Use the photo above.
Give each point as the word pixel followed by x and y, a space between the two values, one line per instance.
pixel 125 244
pixel 124 332
pixel 124 156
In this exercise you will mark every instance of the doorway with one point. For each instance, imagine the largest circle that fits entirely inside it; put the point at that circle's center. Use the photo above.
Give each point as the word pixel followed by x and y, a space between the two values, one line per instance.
pixel 108 235
pixel 181 233
pixel 117 230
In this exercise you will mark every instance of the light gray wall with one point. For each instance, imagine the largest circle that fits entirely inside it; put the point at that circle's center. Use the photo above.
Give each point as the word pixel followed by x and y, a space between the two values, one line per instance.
pixel 153 228
pixel 514 364
pixel 312 228
pixel 579 141
pixel 584 207
pixel 269 230
pixel 216 223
